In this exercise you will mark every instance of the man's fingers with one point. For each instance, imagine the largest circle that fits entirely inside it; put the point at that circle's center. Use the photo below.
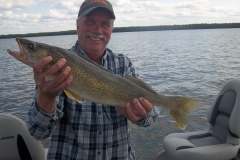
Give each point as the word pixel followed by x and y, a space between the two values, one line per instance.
pixel 59 87
pixel 131 114
pixel 61 77
pixel 122 110
pixel 127 112
pixel 56 67
pixel 38 66
pixel 146 104
pixel 137 108
pixel 53 80
pixel 62 81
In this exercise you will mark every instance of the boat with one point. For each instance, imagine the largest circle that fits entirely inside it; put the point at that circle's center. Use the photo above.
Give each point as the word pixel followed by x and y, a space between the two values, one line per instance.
pixel 219 142
pixel 16 143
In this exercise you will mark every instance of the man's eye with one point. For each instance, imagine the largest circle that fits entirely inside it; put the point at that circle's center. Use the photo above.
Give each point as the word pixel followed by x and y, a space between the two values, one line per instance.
pixel 89 21
pixel 106 25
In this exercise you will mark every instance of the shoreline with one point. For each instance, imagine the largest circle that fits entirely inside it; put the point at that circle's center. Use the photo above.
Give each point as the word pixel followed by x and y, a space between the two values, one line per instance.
pixel 134 29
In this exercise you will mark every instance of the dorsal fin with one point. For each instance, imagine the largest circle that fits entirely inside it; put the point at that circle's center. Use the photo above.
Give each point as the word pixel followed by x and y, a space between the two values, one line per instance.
pixel 142 84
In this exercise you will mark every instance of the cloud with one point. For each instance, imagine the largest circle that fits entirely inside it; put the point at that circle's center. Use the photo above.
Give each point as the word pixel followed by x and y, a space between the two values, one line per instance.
pixel 195 5
pixel 140 6
pixel 13 4
pixel 9 15
pixel 45 0
pixel 62 14
pixel 69 8
pixel 121 2
pixel 12 22
pixel 152 4
pixel 153 12
pixel 65 5
pixel 58 15
pixel 221 9
pixel 32 23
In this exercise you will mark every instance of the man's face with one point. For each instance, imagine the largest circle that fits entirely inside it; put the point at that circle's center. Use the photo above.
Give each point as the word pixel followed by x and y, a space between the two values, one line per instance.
pixel 94 32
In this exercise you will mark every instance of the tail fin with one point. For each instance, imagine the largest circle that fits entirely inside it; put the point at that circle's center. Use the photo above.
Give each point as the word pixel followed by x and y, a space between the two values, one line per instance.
pixel 183 107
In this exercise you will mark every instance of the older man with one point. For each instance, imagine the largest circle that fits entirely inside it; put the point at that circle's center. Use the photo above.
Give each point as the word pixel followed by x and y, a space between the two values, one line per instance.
pixel 86 130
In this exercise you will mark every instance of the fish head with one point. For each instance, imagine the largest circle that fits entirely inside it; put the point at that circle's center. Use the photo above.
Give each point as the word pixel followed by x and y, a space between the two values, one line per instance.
pixel 31 51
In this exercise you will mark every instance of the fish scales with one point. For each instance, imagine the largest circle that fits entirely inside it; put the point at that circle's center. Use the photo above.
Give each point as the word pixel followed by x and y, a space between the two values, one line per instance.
pixel 94 83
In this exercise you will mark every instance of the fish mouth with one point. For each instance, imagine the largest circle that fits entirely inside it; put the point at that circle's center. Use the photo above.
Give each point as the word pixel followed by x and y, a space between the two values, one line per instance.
pixel 20 45
pixel 23 51
pixel 22 55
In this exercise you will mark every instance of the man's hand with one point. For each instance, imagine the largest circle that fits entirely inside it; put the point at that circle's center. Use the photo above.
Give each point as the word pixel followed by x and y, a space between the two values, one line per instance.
pixel 48 90
pixel 57 84
pixel 136 110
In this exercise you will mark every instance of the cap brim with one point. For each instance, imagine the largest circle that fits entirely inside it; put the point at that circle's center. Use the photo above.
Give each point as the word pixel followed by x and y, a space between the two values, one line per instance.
pixel 91 9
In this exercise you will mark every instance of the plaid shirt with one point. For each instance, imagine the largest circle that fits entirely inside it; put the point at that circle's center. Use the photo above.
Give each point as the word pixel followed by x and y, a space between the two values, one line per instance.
pixel 87 131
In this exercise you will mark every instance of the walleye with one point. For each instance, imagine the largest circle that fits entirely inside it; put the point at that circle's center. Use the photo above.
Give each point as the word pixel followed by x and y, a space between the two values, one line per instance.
pixel 94 83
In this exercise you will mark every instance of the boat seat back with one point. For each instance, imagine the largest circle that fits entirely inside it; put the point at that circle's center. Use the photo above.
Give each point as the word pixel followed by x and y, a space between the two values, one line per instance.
pixel 221 141
pixel 16 143
pixel 224 113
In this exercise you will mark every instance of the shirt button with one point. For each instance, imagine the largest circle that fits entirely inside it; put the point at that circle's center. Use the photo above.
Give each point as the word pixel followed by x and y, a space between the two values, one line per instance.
pixel 100 133
pixel 99 152
pixel 99 113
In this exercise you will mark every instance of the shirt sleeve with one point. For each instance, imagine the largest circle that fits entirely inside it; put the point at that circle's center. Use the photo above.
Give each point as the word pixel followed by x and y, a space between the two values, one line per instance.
pixel 153 114
pixel 129 68
pixel 39 123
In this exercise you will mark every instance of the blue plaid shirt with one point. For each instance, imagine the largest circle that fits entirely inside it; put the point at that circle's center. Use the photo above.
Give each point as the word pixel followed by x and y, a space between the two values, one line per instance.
pixel 87 131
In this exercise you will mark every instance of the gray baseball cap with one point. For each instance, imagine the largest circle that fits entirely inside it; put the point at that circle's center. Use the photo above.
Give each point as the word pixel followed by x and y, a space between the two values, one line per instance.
pixel 89 5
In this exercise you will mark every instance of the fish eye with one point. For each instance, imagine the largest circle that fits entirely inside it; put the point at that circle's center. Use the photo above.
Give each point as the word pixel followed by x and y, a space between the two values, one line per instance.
pixel 31 46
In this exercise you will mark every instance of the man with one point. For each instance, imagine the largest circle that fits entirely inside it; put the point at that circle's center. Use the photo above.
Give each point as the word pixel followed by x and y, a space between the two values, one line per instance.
pixel 86 130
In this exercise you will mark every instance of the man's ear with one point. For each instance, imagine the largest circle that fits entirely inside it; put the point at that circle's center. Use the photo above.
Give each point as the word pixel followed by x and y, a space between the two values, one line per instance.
pixel 77 24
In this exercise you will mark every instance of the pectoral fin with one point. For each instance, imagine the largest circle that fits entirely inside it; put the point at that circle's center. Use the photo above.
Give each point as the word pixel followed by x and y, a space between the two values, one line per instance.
pixel 72 95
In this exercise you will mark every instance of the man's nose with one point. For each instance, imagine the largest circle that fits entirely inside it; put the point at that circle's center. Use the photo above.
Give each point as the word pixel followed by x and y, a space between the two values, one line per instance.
pixel 98 28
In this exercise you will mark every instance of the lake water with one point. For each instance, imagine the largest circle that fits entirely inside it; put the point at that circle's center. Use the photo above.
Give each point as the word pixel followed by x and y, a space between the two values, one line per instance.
pixel 193 63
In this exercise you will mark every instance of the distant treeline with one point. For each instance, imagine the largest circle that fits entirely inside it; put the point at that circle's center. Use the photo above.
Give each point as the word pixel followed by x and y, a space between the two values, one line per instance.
pixel 134 29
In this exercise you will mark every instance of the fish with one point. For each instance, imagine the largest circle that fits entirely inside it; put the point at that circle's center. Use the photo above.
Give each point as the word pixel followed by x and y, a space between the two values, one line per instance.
pixel 95 83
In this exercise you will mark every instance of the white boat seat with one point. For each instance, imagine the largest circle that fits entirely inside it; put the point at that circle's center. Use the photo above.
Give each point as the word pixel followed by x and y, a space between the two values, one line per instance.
pixel 15 141
pixel 221 141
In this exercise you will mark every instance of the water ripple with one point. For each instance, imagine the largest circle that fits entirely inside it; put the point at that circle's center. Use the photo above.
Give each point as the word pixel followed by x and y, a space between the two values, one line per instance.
pixel 193 63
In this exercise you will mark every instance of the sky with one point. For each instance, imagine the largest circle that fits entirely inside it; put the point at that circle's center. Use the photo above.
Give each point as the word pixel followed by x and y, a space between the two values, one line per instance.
pixel 33 16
